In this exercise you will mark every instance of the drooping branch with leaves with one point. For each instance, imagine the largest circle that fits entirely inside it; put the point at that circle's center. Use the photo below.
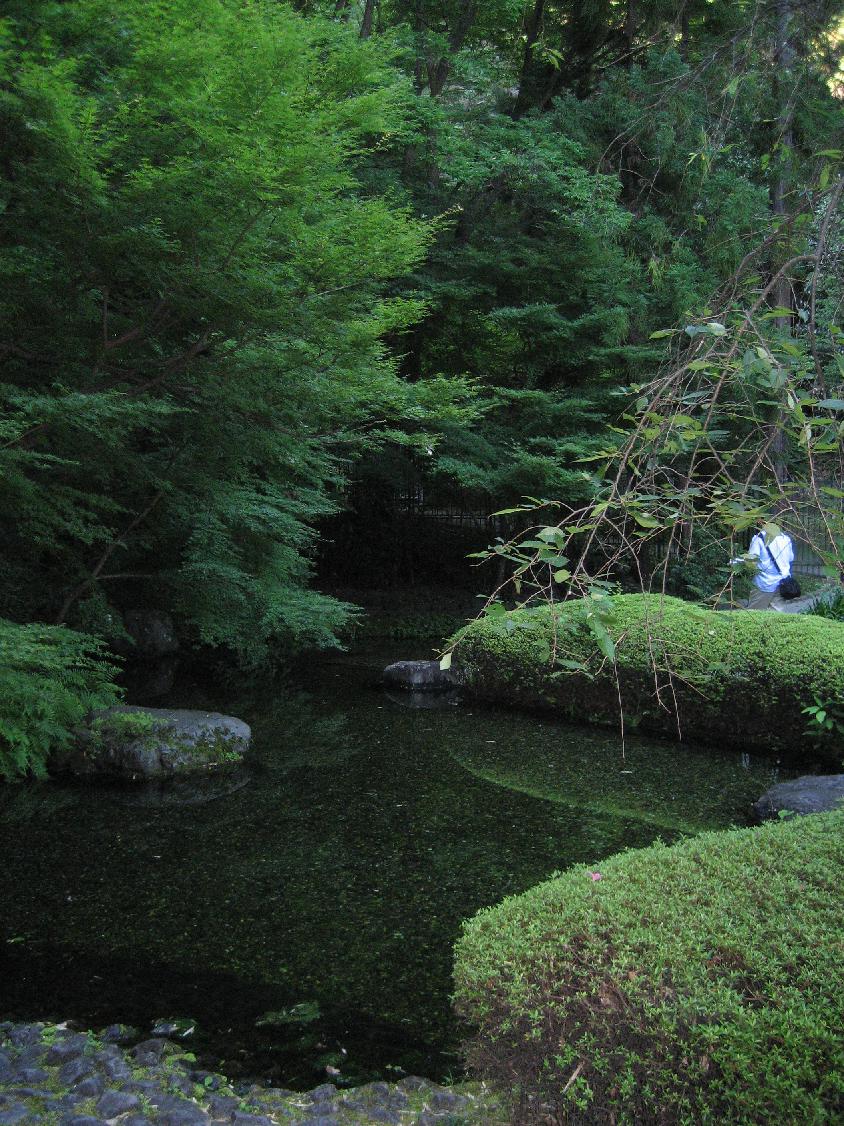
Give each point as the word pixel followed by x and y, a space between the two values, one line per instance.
pixel 745 422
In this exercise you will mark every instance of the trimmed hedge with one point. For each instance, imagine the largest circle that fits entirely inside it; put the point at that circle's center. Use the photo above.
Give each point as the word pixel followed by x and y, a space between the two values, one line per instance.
pixel 701 983
pixel 722 678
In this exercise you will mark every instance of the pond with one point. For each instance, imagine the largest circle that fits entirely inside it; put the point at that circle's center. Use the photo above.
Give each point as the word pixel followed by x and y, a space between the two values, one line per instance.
pixel 306 920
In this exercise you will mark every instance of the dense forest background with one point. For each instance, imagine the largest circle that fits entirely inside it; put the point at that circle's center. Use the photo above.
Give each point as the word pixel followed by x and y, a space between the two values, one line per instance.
pixel 266 268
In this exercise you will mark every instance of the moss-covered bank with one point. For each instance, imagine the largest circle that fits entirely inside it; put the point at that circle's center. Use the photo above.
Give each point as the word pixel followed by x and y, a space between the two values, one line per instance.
pixel 699 983
pixel 737 679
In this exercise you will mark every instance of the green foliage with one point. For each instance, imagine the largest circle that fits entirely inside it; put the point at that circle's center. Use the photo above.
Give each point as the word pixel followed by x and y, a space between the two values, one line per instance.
pixel 193 307
pixel 825 721
pixel 832 609
pixel 665 666
pixel 50 679
pixel 244 246
pixel 701 981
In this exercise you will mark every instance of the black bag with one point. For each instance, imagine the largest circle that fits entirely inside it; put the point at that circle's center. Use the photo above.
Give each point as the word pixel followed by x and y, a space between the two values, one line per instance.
pixel 789 586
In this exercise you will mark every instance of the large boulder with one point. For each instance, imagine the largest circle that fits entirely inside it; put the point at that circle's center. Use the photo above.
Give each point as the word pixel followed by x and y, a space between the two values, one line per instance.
pixel 419 676
pixel 819 793
pixel 139 744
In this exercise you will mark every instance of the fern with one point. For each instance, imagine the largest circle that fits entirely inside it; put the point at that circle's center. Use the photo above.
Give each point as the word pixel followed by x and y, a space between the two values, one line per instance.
pixel 50 679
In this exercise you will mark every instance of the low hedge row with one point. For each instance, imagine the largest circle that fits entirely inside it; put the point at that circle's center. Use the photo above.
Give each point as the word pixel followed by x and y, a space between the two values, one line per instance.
pixel 701 983
pixel 738 678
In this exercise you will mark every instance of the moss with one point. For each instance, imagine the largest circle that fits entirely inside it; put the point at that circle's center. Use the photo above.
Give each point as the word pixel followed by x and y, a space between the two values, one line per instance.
pixel 732 678
pixel 116 726
pixel 697 983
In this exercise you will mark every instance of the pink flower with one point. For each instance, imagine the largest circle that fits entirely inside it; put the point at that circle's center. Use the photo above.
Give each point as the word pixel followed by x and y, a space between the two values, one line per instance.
pixel 594 875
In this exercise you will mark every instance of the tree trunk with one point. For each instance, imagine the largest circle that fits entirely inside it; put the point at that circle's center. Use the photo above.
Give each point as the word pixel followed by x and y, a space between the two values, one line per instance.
pixel 630 32
pixel 439 69
pixel 782 294
pixel 684 33
pixel 366 22
pixel 527 81
pixel 343 9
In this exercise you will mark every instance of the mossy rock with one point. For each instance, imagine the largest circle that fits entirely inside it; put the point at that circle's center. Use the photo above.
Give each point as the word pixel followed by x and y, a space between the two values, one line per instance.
pixel 697 983
pixel 143 744
pixel 726 679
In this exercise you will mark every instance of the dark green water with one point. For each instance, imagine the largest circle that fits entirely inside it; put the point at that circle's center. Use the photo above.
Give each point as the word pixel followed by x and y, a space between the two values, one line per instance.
pixel 338 876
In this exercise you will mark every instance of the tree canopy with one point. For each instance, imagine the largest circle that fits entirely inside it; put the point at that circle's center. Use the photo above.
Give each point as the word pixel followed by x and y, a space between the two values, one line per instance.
pixel 251 252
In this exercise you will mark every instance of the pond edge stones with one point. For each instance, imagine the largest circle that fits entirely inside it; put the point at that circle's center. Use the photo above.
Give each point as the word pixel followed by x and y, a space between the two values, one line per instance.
pixel 419 676
pixel 142 744
pixel 811 793
pixel 56 1073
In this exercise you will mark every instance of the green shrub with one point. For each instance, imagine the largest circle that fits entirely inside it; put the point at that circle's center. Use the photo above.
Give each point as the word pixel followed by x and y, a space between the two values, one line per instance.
pixel 699 983
pixel 724 678
pixel 832 608
pixel 50 678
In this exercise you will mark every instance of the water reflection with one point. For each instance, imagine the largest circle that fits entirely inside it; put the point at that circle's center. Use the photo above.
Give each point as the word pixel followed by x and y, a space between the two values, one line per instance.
pixel 338 877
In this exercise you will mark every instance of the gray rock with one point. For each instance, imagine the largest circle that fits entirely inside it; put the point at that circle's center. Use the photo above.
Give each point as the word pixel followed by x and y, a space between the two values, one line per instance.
pixel 447 1101
pixel 149 1051
pixel 68 1049
pixel 116 1102
pixel 31 1056
pixel 223 1106
pixel 414 1083
pixel 23 1034
pixel 71 1072
pixel 808 794
pixel 209 1080
pixel 181 1083
pixel 82 1120
pixel 180 1027
pixel 14 1113
pixel 138 744
pixel 33 1075
pixel 147 1087
pixel 384 1114
pixel 187 1115
pixel 117 1069
pixel 373 1091
pixel 170 1104
pixel 323 1093
pixel 419 676
pixel 91 1087
pixel 59 1106
pixel 107 1052
pixel 243 1118
pixel 118 1034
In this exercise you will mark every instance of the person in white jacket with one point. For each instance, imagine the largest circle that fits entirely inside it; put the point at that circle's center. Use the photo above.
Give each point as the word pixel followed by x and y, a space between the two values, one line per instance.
pixel 772 552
